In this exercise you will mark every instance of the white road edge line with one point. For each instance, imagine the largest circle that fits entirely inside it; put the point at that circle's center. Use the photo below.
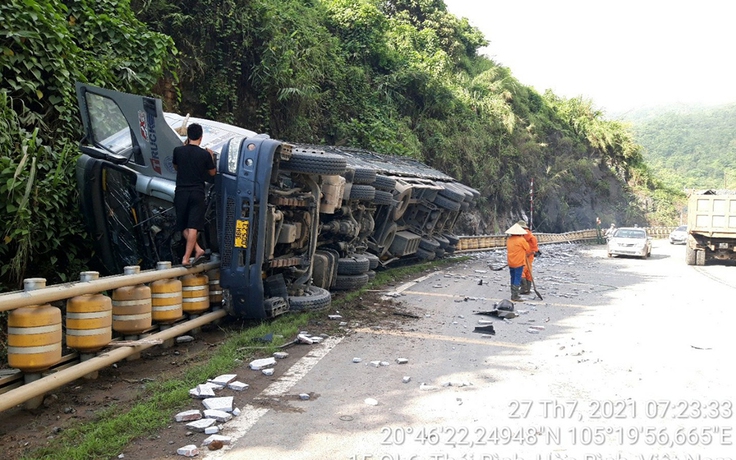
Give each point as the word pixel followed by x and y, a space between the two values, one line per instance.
pixel 249 415
pixel 409 284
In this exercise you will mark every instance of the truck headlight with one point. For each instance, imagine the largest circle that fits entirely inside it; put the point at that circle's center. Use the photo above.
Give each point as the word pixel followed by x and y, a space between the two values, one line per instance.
pixel 232 154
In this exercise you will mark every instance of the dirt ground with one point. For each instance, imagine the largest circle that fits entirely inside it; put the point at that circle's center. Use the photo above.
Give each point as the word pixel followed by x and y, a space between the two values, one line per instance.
pixel 23 431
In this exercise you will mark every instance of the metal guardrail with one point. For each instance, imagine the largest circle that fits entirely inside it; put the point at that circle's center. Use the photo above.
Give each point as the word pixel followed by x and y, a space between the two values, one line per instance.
pixel 482 242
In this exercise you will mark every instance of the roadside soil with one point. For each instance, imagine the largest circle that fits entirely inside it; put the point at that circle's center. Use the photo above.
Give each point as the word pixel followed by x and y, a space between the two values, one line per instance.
pixel 24 431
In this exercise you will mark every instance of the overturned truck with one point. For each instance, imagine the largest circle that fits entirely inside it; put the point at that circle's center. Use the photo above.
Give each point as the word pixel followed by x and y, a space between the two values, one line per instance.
pixel 289 222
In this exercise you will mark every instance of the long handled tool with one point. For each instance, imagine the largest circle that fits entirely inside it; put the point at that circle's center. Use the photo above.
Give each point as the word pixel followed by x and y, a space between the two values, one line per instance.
pixel 531 275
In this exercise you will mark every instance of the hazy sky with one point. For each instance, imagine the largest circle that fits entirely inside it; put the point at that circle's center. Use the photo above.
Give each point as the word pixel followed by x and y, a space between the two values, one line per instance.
pixel 622 54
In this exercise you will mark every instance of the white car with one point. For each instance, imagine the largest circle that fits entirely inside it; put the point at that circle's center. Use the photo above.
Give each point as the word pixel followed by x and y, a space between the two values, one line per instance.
pixel 630 241
pixel 679 235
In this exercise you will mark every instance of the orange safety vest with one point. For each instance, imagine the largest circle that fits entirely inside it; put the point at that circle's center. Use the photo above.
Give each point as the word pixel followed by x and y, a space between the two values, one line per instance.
pixel 516 251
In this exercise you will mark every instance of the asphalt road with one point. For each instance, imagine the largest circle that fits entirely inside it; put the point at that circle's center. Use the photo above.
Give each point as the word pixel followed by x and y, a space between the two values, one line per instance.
pixel 633 361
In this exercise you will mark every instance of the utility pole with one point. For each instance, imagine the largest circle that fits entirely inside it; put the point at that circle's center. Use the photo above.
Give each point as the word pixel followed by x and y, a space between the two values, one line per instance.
pixel 531 205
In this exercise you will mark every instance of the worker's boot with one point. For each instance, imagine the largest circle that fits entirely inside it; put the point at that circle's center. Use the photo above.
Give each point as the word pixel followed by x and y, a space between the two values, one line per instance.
pixel 515 293
pixel 526 286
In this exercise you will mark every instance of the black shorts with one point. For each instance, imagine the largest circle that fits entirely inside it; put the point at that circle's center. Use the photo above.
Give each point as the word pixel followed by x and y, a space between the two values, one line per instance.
pixel 189 206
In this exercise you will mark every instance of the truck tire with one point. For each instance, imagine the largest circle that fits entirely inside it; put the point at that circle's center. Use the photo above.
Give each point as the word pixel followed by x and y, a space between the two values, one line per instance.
pixel 373 260
pixel 444 242
pixel 388 238
pixel 383 198
pixel 700 257
pixel 429 244
pixel 350 282
pixel 689 255
pixel 313 163
pixel 447 203
pixel 384 182
pixel 452 193
pixel 364 176
pixel 362 192
pixel 423 254
pixel 315 298
pixel 453 239
pixel 354 265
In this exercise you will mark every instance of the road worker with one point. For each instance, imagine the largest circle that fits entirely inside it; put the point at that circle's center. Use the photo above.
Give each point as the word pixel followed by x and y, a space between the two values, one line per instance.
pixel 517 250
pixel 526 276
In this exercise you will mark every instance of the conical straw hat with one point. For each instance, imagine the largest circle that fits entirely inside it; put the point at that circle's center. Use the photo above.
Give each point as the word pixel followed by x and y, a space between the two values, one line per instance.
pixel 515 230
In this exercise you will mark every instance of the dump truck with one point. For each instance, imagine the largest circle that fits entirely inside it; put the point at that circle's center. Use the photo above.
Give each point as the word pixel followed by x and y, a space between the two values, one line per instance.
pixel 711 225
pixel 289 222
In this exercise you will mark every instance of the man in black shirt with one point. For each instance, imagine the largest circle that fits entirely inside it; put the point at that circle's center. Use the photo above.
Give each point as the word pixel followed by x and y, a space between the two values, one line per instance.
pixel 194 166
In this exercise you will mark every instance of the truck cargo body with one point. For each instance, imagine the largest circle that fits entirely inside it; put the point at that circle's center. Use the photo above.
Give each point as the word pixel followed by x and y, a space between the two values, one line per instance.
pixel 711 227
pixel 289 222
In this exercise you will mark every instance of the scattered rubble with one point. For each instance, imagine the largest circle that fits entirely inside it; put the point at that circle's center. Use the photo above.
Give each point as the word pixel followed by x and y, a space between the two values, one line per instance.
pixel 371 401
pixel 188 451
pixel 184 339
pixel 259 364
pixel 401 360
pixel 281 355
pixel 188 416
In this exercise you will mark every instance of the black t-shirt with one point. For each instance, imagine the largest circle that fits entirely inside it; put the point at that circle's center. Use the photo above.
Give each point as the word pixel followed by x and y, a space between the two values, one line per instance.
pixel 192 166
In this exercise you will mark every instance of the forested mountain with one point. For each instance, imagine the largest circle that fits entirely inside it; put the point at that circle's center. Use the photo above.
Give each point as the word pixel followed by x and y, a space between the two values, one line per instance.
pixel 395 76
pixel 689 147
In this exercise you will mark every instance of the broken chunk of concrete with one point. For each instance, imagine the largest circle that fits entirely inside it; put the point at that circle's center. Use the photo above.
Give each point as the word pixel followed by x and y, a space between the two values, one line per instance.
pixel 236 412
pixel 281 355
pixel 238 386
pixel 184 339
pixel 224 379
pixel 268 372
pixel 425 387
pixel 304 396
pixel 375 363
pixel 200 425
pixel 226 440
pixel 487 329
pixel 302 338
pixel 385 363
pixel 357 360
pixel 212 430
pixel 188 451
pixel 316 339
pixel 258 364
pixel 224 403
pixel 371 401
pixel 406 379
pixel 219 415
pixel 334 317
pixel 188 416
pixel 401 360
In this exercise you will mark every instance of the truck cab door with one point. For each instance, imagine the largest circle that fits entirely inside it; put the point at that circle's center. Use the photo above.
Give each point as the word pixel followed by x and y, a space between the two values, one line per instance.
pixel 127 129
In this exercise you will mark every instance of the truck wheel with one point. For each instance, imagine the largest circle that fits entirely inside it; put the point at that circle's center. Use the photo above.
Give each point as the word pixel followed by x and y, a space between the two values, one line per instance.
pixel 452 193
pixel 364 176
pixel 447 203
pixel 384 182
pixel 700 257
pixel 362 192
pixel 313 163
pixel 388 238
pixel 350 282
pixel 373 260
pixel 689 255
pixel 354 265
pixel 423 254
pixel 444 242
pixel 314 298
pixel 383 198
pixel 430 244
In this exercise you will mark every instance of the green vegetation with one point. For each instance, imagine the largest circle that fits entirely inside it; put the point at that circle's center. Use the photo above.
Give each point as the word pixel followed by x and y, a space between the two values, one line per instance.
pixel 689 147
pixel 400 77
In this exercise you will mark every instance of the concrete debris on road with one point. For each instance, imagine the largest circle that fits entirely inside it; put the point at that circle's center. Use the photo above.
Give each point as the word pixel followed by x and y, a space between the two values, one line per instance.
pixel 334 317
pixel 406 379
pixel 238 386
pixel 281 355
pixel 401 360
pixel 487 329
pixel 212 430
pixel 184 339
pixel 259 364
pixel 268 372
pixel 304 396
pixel 225 440
pixel 223 380
pixel 218 415
pixel 188 416
pixel 224 403
pixel 188 451
pixel 371 401
pixel 357 360
pixel 201 425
